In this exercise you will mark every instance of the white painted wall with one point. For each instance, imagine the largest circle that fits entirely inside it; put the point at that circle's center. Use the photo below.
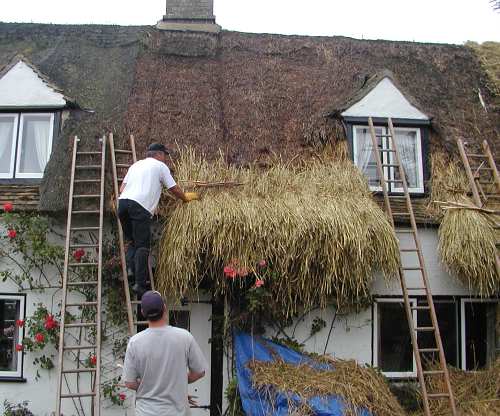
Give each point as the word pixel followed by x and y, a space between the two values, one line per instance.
pixel 22 87
pixel 385 100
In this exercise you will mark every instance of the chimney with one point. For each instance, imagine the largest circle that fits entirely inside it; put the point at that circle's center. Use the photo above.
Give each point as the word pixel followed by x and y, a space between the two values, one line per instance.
pixel 189 15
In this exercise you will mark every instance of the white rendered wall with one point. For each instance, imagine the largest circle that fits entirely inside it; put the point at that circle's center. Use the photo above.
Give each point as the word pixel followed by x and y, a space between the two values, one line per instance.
pixel 22 87
pixel 385 100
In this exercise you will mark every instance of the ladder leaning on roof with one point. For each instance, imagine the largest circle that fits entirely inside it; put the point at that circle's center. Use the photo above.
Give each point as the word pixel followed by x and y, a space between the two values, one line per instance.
pixel 130 158
pixel 393 161
pixel 484 181
pixel 89 281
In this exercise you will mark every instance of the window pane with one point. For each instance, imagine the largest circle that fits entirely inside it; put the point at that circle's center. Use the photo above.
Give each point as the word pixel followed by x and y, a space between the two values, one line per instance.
pixel 447 320
pixel 407 146
pixel 365 158
pixel 179 319
pixel 35 144
pixel 395 352
pixel 480 333
pixel 7 126
pixel 9 334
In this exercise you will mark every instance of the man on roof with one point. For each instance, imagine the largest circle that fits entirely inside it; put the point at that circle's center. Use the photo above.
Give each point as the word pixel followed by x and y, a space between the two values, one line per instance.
pixel 139 197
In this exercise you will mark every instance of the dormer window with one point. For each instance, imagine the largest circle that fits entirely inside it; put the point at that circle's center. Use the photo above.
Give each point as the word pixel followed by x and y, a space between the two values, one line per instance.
pixel 29 106
pixel 381 100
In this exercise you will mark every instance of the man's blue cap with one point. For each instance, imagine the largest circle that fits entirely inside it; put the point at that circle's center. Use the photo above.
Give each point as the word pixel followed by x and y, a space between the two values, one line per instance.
pixel 152 305
pixel 158 147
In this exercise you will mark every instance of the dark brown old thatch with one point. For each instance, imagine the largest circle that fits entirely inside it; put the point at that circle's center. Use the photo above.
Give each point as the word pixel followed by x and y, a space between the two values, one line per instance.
pixel 251 95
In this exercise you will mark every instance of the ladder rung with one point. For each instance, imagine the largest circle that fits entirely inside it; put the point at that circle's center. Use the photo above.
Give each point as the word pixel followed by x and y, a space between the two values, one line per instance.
pixel 88 153
pixel 394 180
pixel 80 347
pixel 72 395
pixel 90 283
pixel 484 168
pixel 408 250
pixel 87 196
pixel 387 150
pixel 140 322
pixel 437 395
pixel 80 325
pixel 383 135
pixel 82 304
pixel 129 152
pixel 476 155
pixel 412 268
pixel 415 288
pixel 122 165
pixel 135 302
pixel 424 328
pixel 79 370
pixel 86 180
pixel 87 167
pixel 419 308
pixel 82 264
pixel 84 229
pixel 429 350
pixel 404 231
pixel 96 211
pixel 83 245
pixel 401 214
pixel 389 165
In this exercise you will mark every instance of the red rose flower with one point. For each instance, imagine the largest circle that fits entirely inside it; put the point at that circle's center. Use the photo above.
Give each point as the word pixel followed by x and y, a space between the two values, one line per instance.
pixel 50 323
pixel 8 207
pixel 20 322
pixel 259 283
pixel 78 254
pixel 242 271
pixel 93 360
pixel 12 234
pixel 262 263
pixel 39 337
pixel 122 396
pixel 19 347
pixel 229 272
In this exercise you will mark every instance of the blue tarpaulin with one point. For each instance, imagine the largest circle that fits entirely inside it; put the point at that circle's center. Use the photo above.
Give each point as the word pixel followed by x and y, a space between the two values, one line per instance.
pixel 249 348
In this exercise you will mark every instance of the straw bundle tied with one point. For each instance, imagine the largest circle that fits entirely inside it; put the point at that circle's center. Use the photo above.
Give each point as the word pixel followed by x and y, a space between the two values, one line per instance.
pixel 476 393
pixel 466 236
pixel 358 387
pixel 317 228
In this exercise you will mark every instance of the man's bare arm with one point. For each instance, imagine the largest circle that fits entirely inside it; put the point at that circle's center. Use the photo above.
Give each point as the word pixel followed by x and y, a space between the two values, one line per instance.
pixel 180 194
pixel 122 187
pixel 194 376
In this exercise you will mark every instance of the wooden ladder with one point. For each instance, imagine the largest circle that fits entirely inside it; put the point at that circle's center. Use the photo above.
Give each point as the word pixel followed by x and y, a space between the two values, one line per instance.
pixel 120 167
pixel 392 163
pixel 484 181
pixel 81 168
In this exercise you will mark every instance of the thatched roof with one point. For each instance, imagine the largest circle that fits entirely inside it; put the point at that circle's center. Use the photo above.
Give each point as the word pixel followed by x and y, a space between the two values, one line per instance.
pixel 252 95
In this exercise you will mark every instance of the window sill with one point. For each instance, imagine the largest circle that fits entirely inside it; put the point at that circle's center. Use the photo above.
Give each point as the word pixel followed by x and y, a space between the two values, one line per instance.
pixel 21 181
pixel 13 379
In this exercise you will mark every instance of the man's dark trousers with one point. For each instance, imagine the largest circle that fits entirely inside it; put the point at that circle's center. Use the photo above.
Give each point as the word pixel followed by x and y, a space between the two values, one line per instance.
pixel 136 225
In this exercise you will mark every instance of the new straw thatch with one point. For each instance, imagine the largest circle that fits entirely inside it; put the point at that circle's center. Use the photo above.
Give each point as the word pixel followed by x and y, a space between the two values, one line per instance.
pixel 476 393
pixel 358 387
pixel 466 237
pixel 316 226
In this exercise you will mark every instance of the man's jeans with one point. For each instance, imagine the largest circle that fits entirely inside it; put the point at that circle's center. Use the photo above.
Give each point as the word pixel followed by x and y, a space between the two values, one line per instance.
pixel 136 225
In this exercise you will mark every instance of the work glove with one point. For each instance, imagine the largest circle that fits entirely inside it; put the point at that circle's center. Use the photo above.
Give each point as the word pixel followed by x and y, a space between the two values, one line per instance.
pixel 191 196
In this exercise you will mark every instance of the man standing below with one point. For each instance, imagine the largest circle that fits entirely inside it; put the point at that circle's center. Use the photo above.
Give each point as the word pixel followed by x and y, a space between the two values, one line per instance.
pixel 160 362
pixel 139 196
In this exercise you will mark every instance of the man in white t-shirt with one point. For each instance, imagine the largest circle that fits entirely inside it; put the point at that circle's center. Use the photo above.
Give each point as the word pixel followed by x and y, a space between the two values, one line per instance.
pixel 140 194
pixel 160 362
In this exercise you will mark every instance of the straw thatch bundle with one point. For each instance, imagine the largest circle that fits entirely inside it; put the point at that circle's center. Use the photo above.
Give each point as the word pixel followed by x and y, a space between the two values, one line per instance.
pixel 316 226
pixel 476 393
pixel 466 237
pixel 359 387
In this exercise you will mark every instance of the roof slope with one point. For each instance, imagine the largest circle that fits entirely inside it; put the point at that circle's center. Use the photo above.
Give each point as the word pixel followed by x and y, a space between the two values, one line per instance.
pixel 252 95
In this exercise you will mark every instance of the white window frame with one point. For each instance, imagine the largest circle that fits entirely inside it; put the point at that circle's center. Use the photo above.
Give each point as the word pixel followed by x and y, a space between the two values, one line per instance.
pixel 463 301
pixel 420 165
pixel 390 159
pixel 20 143
pixel 10 174
pixel 392 374
pixel 19 371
